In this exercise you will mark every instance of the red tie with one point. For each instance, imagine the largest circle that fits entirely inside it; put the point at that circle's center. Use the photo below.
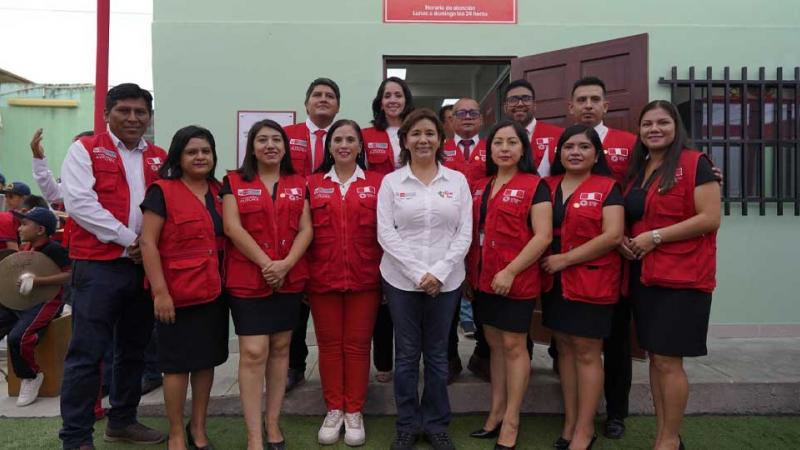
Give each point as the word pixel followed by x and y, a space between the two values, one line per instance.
pixel 466 144
pixel 318 148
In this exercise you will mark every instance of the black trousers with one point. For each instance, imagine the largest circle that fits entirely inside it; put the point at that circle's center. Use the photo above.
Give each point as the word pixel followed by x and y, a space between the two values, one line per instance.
pixel 617 365
pixel 452 339
pixel 298 350
pixel 383 340
pixel 617 361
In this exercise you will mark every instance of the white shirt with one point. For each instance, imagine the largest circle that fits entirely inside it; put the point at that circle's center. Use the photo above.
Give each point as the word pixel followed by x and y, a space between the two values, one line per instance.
pixel 475 139
pixel 424 229
pixel 313 140
pixel 344 186
pixel 51 191
pixel 394 139
pixel 602 131
pixel 544 164
pixel 80 198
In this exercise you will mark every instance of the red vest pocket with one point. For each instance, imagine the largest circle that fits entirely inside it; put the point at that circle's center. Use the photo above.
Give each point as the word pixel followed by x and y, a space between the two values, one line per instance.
pixel 674 263
pixel 187 279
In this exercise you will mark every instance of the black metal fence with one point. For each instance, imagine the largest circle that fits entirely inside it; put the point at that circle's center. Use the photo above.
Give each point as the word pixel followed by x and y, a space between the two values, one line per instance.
pixel 751 130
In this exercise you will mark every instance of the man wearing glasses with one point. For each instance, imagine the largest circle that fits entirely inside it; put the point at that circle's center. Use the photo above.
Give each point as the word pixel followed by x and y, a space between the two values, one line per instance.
pixel 466 152
pixel 520 105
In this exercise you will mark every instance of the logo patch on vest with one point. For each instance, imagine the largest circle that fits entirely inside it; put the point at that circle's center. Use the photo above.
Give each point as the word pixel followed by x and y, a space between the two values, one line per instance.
pixel 513 196
pixel 617 154
pixel 679 173
pixel 378 145
pixel 590 198
pixel 294 194
pixel 248 195
pixel 105 154
pixel 154 162
pixel 543 143
pixel 298 142
pixel 366 191
pixel 449 153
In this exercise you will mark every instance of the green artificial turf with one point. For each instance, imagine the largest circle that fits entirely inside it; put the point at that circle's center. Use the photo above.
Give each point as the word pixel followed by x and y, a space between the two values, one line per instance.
pixel 538 432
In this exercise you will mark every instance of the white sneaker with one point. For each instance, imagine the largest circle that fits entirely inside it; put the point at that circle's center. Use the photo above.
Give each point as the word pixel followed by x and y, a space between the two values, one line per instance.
pixel 354 434
pixel 29 390
pixel 331 426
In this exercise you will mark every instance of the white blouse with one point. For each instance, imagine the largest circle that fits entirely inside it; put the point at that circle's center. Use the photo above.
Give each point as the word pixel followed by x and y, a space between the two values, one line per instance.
pixel 424 229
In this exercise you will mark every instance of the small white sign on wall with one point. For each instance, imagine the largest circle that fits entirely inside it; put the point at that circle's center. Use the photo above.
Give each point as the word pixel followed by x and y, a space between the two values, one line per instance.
pixel 246 119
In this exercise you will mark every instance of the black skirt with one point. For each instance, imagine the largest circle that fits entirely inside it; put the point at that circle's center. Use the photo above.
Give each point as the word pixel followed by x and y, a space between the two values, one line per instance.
pixel 670 322
pixel 503 313
pixel 262 316
pixel 197 340
pixel 573 317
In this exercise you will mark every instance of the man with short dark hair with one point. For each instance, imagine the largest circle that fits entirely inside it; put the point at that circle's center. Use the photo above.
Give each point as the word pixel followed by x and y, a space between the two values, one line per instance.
pixel 306 144
pixel 588 105
pixel 307 139
pixel 104 181
pixel 519 105
pixel 466 151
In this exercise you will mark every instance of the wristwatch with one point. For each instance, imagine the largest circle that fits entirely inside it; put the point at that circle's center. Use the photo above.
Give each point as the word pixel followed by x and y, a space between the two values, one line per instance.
pixel 656 237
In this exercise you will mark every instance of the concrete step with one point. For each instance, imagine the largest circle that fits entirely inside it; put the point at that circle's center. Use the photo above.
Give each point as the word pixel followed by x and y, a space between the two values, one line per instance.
pixel 740 376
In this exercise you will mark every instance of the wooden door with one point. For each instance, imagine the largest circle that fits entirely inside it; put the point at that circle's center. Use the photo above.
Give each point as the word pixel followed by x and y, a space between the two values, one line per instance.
pixel 620 63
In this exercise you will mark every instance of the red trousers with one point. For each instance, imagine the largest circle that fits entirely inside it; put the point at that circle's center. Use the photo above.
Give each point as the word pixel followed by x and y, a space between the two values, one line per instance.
pixel 343 323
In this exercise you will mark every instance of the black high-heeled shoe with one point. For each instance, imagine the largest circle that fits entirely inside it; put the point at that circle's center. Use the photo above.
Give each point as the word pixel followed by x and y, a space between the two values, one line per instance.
pixel 190 440
pixel 504 447
pixel 680 443
pixel 561 444
pixel 272 445
pixel 591 443
pixel 487 434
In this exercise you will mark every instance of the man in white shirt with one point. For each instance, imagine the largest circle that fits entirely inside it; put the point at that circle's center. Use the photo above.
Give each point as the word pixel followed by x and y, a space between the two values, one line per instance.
pixel 104 181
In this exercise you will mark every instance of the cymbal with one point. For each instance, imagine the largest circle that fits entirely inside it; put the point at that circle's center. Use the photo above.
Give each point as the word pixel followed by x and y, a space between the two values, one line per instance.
pixel 15 265
pixel 5 252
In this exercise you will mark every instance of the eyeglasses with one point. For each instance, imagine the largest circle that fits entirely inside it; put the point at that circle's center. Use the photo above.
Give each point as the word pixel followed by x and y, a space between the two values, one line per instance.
pixel 516 99
pixel 464 113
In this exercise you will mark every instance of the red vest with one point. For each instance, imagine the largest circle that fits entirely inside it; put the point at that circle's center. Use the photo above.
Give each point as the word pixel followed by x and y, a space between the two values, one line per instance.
pixel 344 255
pixel 273 225
pixel 378 146
pixel 300 148
pixel 618 148
pixel 596 281
pixel 506 231
pixel 112 191
pixel 687 264
pixel 475 168
pixel 545 138
pixel 188 245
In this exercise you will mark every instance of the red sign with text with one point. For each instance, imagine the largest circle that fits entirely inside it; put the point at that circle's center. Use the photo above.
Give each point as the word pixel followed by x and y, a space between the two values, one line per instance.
pixel 450 11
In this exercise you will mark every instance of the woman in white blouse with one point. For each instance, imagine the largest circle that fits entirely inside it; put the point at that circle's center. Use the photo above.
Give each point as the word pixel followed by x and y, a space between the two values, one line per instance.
pixel 425 229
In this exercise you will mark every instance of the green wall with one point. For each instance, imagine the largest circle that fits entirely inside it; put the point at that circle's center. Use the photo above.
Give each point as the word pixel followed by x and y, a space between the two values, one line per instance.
pixel 213 58
pixel 60 126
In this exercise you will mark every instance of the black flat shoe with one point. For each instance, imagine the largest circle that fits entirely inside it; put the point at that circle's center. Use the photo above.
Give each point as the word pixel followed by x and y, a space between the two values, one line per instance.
pixel 561 444
pixel 680 443
pixel 484 434
pixel 190 440
pixel 614 428
pixel 591 443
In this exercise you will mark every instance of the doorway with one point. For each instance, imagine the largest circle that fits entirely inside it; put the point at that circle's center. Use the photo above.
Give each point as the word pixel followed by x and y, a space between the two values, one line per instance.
pixel 439 81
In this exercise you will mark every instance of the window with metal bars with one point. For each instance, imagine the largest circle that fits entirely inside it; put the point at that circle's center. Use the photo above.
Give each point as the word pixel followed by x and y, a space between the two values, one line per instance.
pixel 751 130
